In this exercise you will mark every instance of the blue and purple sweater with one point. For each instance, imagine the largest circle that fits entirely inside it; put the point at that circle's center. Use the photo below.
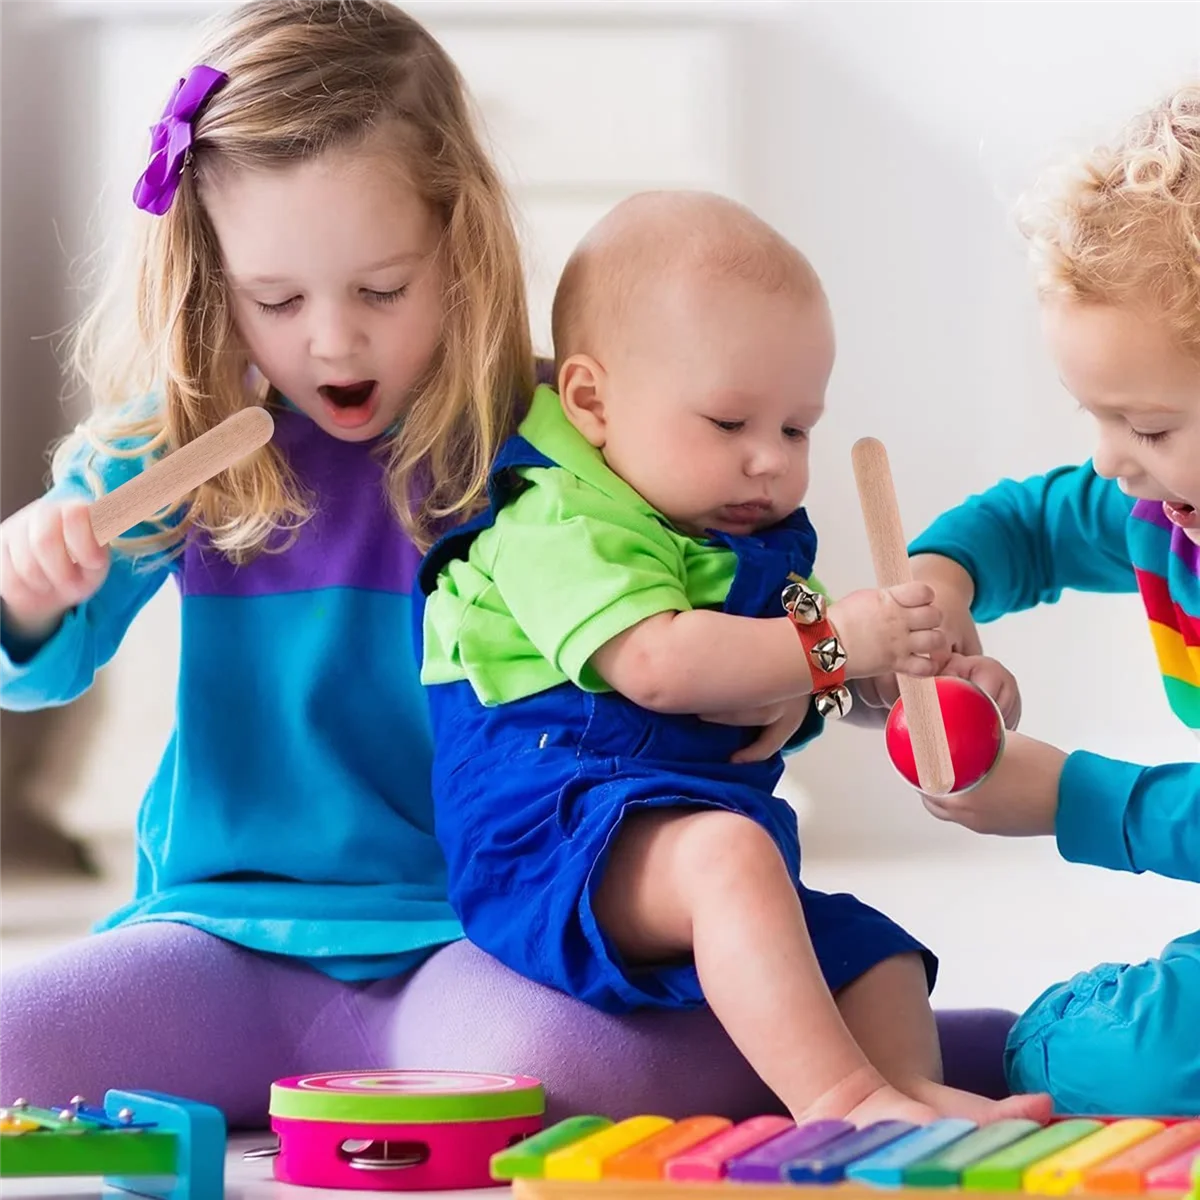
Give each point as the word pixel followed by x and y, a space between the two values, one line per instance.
pixel 291 812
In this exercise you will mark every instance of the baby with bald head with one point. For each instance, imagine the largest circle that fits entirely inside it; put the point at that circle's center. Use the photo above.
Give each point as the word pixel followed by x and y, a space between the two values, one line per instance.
pixel 678 306
pixel 619 675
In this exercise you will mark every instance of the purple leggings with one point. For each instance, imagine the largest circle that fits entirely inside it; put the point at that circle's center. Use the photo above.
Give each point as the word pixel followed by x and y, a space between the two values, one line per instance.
pixel 167 1008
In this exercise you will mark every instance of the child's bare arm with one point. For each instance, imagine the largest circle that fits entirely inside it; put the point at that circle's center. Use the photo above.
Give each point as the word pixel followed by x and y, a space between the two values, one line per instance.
pixel 706 662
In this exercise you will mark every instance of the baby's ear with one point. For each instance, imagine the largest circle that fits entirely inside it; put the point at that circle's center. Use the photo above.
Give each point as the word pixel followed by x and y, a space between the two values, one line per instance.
pixel 581 387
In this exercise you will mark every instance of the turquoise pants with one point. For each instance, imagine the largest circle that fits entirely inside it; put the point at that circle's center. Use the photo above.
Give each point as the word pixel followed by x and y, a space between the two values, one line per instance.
pixel 1120 1039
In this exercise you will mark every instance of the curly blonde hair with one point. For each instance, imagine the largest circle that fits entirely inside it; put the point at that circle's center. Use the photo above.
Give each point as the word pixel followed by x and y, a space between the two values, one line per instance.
pixel 1121 225
pixel 306 77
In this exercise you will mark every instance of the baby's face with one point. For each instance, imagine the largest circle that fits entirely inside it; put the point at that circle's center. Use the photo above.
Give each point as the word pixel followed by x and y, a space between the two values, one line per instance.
pixel 710 399
pixel 1144 393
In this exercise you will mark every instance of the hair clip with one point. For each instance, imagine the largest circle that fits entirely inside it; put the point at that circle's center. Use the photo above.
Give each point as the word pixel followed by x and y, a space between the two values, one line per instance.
pixel 171 139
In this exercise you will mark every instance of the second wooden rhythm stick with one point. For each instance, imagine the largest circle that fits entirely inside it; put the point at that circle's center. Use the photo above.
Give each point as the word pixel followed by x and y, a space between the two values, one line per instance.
pixel 889 553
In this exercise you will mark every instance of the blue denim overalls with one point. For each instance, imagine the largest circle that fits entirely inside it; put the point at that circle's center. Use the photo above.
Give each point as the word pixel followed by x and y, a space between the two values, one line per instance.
pixel 528 796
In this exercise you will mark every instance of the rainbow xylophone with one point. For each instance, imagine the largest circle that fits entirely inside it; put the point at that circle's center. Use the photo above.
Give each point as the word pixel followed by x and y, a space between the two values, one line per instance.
pixel 654 1158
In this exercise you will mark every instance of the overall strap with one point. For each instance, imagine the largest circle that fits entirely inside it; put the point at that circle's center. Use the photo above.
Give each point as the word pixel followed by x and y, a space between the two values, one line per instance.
pixel 503 483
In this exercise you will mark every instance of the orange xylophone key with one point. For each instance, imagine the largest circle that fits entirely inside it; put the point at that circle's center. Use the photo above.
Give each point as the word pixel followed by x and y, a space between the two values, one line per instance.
pixel 646 1159
pixel 1127 1171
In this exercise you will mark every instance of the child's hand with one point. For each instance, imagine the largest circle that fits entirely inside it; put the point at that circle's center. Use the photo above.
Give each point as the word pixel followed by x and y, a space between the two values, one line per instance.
pixel 878 691
pixel 1018 799
pixel 783 721
pixel 50 561
pixel 889 630
pixel 953 592
pixel 992 677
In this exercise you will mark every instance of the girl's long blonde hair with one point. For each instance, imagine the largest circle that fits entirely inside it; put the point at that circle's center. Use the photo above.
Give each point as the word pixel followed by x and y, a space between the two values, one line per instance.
pixel 1121 224
pixel 306 77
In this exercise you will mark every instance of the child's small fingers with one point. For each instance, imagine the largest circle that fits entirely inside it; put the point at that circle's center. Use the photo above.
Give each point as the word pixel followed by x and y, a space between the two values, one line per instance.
pixel 26 569
pixel 15 584
pixel 1001 686
pixel 751 753
pixel 1010 706
pixel 880 692
pixel 927 641
pixel 769 742
pixel 918 667
pixel 49 546
pixel 946 811
pixel 81 538
pixel 940 658
pixel 912 595
pixel 935 807
pixel 926 616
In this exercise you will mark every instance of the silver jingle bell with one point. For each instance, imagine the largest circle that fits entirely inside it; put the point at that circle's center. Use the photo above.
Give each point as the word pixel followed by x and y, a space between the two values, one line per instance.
pixel 805 606
pixel 828 655
pixel 833 703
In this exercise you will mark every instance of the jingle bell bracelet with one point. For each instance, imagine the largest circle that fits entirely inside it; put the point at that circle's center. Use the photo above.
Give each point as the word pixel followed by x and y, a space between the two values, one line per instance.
pixel 823 648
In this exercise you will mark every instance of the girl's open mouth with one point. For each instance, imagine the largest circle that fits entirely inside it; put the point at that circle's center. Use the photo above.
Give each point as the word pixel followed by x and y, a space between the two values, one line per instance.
pixel 1183 515
pixel 350 405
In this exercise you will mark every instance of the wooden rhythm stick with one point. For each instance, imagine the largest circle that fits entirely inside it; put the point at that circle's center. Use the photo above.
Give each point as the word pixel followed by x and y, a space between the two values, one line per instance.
pixel 173 477
pixel 885 533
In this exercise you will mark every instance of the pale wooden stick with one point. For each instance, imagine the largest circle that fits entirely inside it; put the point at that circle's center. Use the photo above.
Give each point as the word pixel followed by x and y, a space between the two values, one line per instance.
pixel 885 533
pixel 173 477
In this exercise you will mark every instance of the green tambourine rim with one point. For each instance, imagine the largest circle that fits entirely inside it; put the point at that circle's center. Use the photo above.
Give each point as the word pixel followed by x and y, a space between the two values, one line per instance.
pixel 430 1108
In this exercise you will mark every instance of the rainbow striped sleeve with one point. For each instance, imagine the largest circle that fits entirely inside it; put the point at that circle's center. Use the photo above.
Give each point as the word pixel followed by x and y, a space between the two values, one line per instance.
pixel 1167 565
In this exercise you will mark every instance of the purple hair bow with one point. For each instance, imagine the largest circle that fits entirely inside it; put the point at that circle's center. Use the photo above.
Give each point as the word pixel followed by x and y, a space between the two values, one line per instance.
pixel 171 138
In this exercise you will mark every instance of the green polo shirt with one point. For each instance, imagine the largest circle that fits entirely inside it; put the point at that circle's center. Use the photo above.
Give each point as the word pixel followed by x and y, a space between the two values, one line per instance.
pixel 575 559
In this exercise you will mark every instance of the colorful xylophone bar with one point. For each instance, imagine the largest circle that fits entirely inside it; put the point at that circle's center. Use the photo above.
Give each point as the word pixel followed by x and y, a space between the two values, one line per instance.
pixel 653 1158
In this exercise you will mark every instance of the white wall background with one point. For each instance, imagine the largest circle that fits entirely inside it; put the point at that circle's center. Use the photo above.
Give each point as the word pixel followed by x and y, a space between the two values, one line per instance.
pixel 889 140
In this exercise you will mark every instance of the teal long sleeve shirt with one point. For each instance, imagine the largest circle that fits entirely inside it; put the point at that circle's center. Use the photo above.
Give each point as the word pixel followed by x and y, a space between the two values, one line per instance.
pixel 1025 543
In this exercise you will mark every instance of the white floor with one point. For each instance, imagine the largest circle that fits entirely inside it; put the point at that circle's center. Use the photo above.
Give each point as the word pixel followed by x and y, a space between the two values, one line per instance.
pixel 1006 918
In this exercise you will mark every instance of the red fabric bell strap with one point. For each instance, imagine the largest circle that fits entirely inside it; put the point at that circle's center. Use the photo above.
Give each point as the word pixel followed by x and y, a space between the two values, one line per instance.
pixel 822 647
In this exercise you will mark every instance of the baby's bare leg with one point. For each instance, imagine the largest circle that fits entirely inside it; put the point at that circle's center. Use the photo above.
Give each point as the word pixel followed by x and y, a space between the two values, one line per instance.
pixel 887 1011
pixel 713 884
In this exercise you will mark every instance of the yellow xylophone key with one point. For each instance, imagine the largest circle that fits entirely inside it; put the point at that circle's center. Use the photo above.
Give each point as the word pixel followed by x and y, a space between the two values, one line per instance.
pixel 585 1159
pixel 15 1124
pixel 1063 1172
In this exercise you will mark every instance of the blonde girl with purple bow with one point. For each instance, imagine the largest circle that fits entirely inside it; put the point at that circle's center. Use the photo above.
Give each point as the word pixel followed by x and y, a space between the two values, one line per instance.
pixel 324 235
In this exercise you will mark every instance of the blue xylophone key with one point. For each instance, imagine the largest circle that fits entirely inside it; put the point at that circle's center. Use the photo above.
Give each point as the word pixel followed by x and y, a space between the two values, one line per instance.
pixel 828 1164
pixel 886 1168
pixel 764 1164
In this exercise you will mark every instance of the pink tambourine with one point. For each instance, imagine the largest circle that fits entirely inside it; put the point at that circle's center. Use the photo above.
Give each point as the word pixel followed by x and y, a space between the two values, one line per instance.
pixel 399 1130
